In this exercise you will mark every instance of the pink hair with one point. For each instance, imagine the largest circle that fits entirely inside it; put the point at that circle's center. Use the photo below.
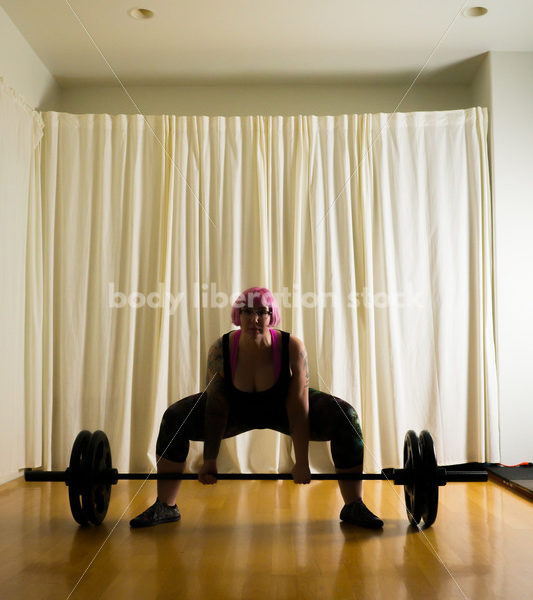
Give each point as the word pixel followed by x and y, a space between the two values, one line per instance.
pixel 256 296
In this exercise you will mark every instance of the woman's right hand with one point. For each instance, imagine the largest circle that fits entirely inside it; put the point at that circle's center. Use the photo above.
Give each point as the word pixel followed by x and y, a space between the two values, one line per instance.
pixel 208 472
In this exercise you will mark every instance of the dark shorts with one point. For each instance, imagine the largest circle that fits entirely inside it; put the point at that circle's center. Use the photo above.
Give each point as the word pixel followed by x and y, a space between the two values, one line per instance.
pixel 330 419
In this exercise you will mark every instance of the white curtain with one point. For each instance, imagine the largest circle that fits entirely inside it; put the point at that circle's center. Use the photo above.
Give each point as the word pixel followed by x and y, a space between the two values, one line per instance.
pixel 20 132
pixel 374 232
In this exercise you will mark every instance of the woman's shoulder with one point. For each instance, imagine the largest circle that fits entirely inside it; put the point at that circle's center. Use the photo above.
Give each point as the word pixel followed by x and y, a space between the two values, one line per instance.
pixel 297 352
pixel 296 343
pixel 215 359
pixel 217 343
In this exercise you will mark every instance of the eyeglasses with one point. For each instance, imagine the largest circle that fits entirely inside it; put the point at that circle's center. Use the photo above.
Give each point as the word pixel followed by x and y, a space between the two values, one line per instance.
pixel 262 313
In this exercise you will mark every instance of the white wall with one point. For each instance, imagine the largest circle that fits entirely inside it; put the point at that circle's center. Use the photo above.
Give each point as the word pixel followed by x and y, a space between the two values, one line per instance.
pixel 481 87
pixel 268 99
pixel 511 98
pixel 23 70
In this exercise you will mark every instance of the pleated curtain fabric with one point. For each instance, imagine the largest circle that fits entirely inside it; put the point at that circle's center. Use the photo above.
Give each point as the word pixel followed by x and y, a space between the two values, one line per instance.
pixel 373 231
pixel 20 132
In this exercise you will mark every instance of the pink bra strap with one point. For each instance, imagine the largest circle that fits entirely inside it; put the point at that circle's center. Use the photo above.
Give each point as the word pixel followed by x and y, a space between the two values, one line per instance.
pixel 234 350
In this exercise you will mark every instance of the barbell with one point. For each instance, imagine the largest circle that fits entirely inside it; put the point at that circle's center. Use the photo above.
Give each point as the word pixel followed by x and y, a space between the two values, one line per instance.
pixel 90 475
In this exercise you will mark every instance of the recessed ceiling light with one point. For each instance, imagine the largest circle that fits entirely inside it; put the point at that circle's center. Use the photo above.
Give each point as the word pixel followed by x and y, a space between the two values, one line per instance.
pixel 475 11
pixel 141 13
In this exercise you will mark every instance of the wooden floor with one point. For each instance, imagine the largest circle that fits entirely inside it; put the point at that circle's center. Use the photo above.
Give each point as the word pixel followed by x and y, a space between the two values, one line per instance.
pixel 259 540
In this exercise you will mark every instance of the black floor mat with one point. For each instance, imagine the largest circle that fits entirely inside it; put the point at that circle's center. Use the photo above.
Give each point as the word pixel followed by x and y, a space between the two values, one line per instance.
pixel 517 478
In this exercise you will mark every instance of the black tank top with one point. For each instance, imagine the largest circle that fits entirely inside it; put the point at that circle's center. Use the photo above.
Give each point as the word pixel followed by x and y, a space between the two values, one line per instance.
pixel 266 402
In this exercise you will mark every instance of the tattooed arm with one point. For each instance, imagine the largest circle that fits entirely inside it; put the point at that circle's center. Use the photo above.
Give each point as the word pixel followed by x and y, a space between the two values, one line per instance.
pixel 216 412
pixel 298 409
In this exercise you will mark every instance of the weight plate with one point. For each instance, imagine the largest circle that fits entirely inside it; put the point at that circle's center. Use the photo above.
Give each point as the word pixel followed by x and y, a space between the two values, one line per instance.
pixel 411 465
pixel 76 478
pixel 428 485
pixel 96 492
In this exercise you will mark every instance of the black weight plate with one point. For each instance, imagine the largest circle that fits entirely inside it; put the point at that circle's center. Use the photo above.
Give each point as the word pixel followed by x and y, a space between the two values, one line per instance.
pixel 75 476
pixel 96 493
pixel 411 464
pixel 428 484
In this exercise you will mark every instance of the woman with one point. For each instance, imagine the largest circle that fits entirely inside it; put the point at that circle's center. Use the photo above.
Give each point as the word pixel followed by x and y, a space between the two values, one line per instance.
pixel 257 378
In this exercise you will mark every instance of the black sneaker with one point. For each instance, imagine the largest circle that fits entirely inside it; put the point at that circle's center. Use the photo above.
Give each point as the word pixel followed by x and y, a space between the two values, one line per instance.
pixel 156 514
pixel 357 513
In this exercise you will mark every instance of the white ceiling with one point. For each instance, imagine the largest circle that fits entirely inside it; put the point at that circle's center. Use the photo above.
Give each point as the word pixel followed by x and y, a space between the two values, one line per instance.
pixel 210 41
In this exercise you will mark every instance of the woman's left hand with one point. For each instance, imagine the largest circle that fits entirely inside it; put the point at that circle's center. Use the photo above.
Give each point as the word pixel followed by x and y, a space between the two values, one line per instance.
pixel 301 473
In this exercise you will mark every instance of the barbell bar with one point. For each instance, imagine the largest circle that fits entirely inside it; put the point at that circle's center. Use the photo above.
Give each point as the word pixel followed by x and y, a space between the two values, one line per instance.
pixel 90 475
pixel 394 475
